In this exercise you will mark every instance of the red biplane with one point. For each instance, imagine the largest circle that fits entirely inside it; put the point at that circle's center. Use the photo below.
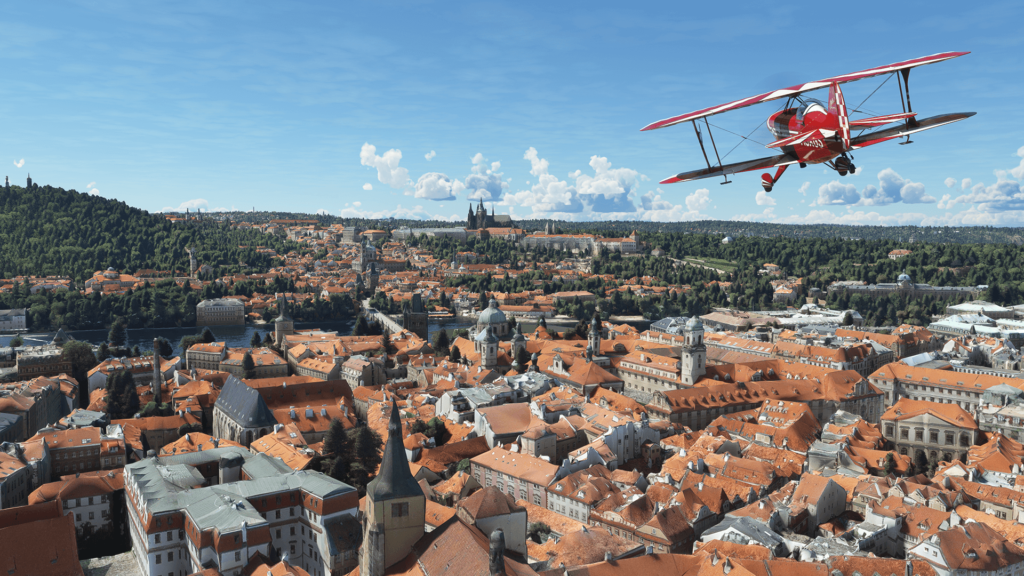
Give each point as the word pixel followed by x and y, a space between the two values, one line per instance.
pixel 808 131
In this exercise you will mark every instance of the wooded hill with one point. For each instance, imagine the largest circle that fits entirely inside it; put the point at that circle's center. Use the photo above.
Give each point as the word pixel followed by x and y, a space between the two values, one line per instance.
pixel 52 231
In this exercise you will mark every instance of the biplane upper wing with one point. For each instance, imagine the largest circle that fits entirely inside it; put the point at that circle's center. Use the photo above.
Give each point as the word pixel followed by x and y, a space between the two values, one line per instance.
pixel 793 90
pixel 760 164
pixel 880 136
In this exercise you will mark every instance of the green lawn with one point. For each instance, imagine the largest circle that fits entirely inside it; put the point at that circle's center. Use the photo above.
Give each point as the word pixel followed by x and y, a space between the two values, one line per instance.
pixel 726 265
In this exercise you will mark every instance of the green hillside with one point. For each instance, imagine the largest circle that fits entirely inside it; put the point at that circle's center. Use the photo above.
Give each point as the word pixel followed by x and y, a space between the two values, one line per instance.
pixel 52 231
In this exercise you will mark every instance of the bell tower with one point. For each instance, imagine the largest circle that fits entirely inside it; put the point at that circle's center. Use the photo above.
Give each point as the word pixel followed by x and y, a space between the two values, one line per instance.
pixel 372 277
pixel 283 324
pixel 395 507
pixel 594 338
pixel 486 344
pixel 693 359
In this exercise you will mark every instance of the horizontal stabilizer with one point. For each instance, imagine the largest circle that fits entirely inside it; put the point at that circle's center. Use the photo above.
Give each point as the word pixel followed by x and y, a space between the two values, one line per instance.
pixel 802 137
pixel 880 120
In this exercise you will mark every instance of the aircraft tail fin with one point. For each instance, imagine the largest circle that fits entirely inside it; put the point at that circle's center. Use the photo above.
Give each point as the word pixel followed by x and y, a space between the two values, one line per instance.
pixel 837 108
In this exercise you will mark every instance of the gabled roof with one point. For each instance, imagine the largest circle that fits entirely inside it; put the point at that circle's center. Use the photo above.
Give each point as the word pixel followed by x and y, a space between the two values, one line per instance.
pixel 244 405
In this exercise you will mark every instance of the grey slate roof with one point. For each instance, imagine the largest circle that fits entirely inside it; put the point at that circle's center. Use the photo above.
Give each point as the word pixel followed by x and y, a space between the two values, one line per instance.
pixel 753 529
pixel 394 480
pixel 165 486
pixel 261 465
pixel 244 405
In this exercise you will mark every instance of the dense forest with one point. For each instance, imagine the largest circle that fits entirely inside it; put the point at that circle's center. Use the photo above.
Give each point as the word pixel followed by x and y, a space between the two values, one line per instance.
pixel 740 264
pixel 160 305
pixel 51 231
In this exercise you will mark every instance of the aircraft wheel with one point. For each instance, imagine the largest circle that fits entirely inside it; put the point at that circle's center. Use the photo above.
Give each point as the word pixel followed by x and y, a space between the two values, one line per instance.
pixel 842 172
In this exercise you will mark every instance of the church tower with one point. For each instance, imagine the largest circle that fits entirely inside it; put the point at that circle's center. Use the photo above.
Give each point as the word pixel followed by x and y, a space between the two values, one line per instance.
pixel 395 507
pixel 192 264
pixel 470 219
pixel 481 215
pixel 28 185
pixel 692 360
pixel 283 325
pixel 486 345
pixel 372 277
pixel 594 338
pixel 7 183
pixel 518 342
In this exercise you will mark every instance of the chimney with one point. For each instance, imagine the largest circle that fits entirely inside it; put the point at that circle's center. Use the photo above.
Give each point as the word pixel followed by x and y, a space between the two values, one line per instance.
pixel 497 555
pixel 909 569
pixel 607 556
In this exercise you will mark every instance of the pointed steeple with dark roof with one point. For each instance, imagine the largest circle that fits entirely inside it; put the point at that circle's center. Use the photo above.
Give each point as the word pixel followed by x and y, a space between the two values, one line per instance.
pixel 395 479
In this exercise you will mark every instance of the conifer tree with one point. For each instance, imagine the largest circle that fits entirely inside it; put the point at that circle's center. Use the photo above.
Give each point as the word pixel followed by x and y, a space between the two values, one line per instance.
pixel 118 334
pixel 248 366
pixel 337 444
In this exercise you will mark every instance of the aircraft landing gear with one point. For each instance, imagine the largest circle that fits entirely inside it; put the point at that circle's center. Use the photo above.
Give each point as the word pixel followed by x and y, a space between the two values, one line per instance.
pixel 844 166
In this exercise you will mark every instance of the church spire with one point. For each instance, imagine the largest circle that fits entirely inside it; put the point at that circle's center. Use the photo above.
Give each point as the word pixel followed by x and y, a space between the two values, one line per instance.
pixel 395 479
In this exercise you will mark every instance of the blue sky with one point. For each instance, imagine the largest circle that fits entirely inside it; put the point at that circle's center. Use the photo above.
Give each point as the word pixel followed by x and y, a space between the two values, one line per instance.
pixel 414 108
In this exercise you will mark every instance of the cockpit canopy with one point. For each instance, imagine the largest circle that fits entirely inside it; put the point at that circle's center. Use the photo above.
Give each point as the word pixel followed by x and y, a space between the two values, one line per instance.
pixel 808 105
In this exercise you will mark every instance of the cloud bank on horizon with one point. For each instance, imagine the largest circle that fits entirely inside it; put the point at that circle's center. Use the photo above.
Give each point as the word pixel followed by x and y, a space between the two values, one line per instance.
pixel 604 192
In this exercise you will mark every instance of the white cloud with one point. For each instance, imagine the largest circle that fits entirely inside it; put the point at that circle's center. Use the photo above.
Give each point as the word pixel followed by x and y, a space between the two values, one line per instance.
pixel 699 200
pixel 836 193
pixel 1018 172
pixel 804 188
pixel 950 182
pixel 484 181
pixel 892 188
pixel 604 192
pixel 388 170
pixel 654 208
pixel 609 189
pixel 1005 195
pixel 944 202
pixel 90 185
pixel 966 184
pixel 322 212
pixel 93 191
pixel 367 186
pixel 415 213
pixel 437 186
pixel 19 163
pixel 191 205
pixel 909 192
pixel 357 203
pixel 549 196
pixel 763 199
pixel 430 155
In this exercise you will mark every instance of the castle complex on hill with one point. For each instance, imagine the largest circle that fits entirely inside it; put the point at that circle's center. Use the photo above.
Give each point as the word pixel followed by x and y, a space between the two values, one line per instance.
pixel 484 220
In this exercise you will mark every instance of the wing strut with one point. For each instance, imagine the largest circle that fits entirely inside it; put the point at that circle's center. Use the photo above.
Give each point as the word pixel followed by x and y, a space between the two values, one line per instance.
pixel 911 121
pixel 700 140
pixel 715 148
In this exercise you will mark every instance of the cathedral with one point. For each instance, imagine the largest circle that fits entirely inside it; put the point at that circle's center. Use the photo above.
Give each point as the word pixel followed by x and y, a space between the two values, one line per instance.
pixel 484 220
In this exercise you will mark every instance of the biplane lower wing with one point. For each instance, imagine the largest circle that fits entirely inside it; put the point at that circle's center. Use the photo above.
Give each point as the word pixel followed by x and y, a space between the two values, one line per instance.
pixel 880 136
pixel 761 164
